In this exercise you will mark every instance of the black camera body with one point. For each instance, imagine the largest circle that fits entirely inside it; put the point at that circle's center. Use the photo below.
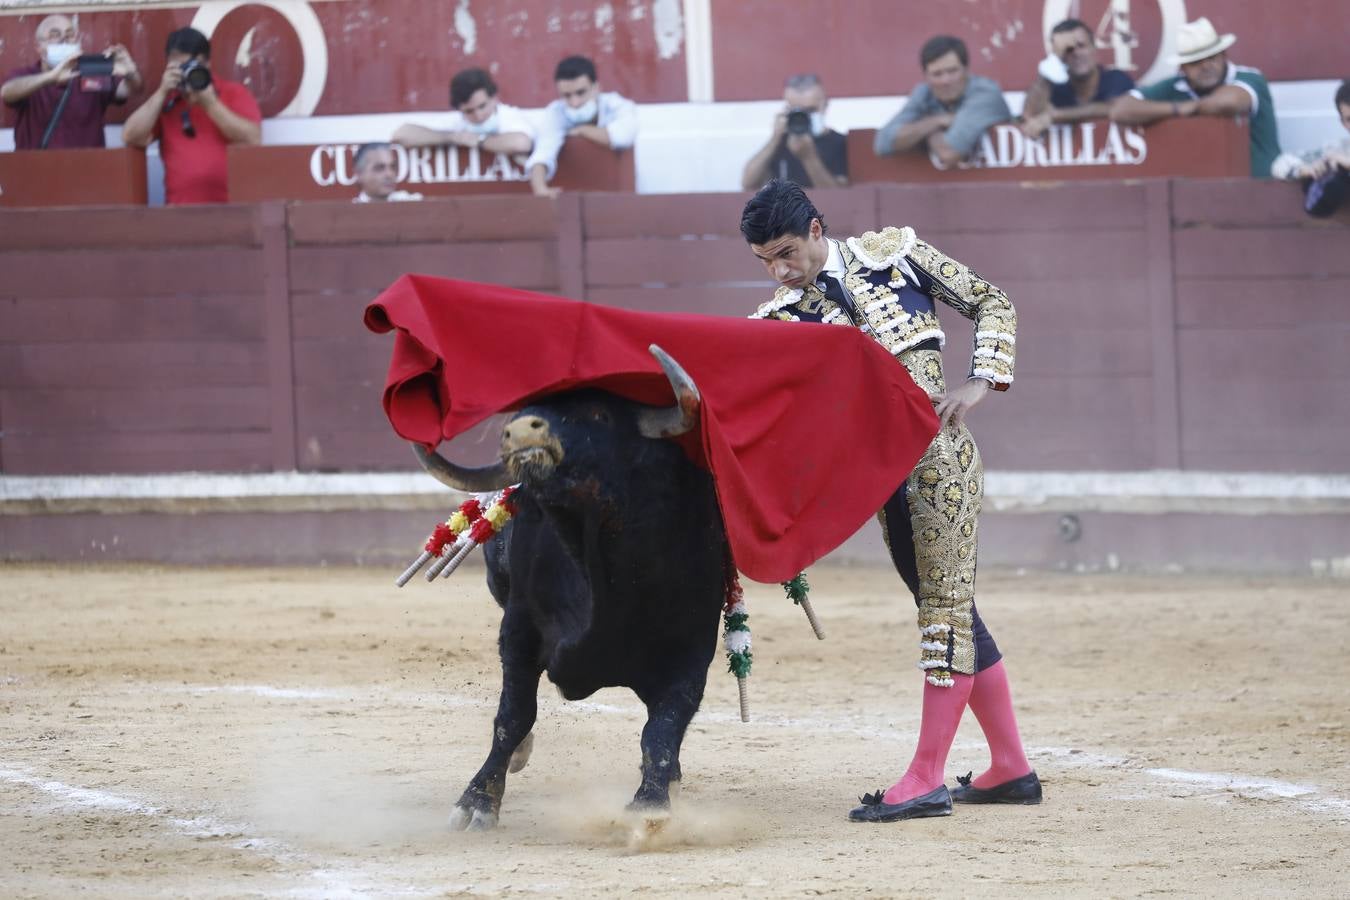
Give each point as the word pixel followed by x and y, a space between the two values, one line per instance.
pixel 95 73
pixel 94 65
pixel 799 121
pixel 196 77
pixel 1324 196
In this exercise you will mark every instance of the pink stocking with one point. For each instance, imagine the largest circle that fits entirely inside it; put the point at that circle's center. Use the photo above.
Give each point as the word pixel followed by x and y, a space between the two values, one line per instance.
pixel 991 701
pixel 942 708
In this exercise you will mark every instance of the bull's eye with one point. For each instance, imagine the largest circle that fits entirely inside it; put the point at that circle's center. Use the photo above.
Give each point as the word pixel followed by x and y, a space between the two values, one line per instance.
pixel 601 415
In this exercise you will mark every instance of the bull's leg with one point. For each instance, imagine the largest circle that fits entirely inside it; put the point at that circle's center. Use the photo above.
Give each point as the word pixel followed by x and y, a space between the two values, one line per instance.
pixel 481 802
pixel 669 712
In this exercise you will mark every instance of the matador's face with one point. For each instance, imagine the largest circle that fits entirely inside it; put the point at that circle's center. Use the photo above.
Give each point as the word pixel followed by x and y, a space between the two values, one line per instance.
pixel 794 260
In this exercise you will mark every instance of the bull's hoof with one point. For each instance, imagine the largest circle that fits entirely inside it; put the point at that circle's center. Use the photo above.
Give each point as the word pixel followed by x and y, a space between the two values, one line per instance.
pixel 462 818
pixel 646 829
pixel 649 806
pixel 521 756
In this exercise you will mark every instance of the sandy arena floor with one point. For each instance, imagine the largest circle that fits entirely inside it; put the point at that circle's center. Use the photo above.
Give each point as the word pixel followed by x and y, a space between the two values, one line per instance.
pixel 303 733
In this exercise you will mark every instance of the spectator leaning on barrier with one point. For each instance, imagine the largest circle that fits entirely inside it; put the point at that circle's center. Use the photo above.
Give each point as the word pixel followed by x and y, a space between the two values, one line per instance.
pixel 581 110
pixel 1070 84
pixel 377 173
pixel 948 111
pixel 479 120
pixel 1209 85
pixel 801 149
pixel 1319 162
pixel 194 115
pixel 36 92
pixel 1326 169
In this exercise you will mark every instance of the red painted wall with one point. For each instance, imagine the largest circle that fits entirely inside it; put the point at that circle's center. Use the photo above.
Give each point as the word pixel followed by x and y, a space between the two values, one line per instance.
pixel 871 47
pixel 391 55
pixel 1163 324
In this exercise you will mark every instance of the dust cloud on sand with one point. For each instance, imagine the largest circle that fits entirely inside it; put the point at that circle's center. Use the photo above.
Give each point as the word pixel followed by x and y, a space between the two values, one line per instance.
pixel 305 733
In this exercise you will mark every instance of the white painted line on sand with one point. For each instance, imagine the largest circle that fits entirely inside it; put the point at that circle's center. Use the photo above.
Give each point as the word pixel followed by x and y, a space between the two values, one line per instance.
pixel 1311 797
pixel 333 880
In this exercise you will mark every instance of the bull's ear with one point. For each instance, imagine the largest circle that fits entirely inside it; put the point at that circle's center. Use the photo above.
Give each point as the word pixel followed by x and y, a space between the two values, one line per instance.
pixel 671 421
pixel 478 480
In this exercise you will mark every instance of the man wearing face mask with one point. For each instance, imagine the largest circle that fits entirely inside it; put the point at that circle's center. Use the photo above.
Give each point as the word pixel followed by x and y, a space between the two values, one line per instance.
pixel 35 92
pixel 581 110
pixel 801 149
pixel 479 120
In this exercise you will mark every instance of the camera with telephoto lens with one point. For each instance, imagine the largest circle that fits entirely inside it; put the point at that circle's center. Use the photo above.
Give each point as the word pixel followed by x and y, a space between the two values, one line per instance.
pixel 196 77
pixel 799 121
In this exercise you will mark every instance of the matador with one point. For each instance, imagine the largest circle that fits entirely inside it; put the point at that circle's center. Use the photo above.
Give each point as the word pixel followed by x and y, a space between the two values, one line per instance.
pixel 887 283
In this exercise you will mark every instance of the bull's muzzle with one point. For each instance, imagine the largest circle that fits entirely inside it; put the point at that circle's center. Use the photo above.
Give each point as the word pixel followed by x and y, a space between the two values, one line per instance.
pixel 529 447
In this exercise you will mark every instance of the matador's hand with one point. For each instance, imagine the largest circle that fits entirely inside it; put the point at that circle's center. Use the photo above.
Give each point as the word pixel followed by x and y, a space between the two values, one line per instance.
pixel 952 406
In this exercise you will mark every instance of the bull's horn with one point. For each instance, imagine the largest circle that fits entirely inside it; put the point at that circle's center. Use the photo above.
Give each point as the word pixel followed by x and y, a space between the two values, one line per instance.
pixel 671 421
pixel 478 480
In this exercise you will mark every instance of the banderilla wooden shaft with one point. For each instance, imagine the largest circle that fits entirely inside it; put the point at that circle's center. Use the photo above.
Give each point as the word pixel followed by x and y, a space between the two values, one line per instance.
pixel 409 572
pixel 441 563
pixel 811 617
pixel 745 698
pixel 460 555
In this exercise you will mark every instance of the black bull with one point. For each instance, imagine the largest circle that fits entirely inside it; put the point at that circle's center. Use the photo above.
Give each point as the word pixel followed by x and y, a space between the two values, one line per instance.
pixel 611 574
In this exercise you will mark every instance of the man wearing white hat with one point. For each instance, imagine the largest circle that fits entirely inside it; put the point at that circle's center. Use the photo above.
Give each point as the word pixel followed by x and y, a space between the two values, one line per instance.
pixel 1209 85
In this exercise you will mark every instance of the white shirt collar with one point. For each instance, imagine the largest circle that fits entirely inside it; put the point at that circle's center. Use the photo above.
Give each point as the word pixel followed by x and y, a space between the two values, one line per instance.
pixel 834 263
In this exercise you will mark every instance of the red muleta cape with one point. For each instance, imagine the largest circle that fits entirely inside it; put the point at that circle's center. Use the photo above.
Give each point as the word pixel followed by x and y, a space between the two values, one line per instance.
pixel 807 429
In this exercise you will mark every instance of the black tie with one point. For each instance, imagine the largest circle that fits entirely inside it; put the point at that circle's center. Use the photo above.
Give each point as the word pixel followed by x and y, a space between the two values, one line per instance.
pixel 833 290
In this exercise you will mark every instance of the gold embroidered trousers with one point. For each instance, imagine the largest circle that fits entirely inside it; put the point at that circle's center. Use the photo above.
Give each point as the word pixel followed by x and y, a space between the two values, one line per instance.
pixel 942 497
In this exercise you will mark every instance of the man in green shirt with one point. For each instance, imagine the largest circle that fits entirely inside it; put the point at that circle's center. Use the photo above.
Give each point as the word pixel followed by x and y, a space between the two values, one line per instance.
pixel 1209 85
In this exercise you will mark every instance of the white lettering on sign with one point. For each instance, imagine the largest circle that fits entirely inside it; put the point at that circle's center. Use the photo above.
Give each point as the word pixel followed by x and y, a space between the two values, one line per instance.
pixel 1005 147
pixel 419 165
pixel 320 171
pixel 333 165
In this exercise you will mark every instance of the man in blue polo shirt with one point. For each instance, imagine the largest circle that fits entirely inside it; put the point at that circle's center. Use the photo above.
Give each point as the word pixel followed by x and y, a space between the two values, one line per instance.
pixel 1071 86
pixel 949 111
pixel 1209 85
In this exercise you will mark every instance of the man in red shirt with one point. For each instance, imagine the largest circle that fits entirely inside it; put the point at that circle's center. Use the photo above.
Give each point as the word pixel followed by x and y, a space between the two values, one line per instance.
pixel 194 116
pixel 34 92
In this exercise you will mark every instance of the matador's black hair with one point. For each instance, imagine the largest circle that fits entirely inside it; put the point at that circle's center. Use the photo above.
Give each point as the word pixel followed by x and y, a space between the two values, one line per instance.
pixel 779 208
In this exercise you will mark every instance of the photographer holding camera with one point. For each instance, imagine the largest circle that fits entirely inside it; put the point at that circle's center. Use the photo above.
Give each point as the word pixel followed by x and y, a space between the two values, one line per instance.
pixel 79 88
pixel 194 115
pixel 801 149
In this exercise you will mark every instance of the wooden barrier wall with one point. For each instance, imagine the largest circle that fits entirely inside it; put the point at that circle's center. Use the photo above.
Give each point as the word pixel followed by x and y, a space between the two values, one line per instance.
pixel 1164 324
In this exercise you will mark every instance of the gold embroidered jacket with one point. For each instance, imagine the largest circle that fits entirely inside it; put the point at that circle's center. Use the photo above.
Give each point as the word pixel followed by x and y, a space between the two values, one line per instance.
pixel 894 279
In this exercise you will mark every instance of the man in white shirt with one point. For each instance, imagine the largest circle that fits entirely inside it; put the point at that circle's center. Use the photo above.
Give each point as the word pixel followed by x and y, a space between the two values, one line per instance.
pixel 479 120
pixel 377 173
pixel 581 110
